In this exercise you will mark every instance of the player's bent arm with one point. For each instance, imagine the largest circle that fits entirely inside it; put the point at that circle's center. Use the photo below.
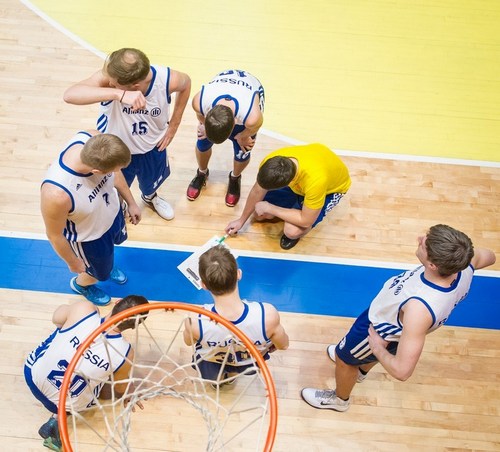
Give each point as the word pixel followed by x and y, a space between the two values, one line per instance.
pixel 256 194
pixel 191 331
pixel 92 90
pixel 483 258
pixel 180 83
pixel 416 322
pixel 303 218
pixel 55 206
pixel 254 122
pixel 124 191
pixel 68 315
pixel 274 329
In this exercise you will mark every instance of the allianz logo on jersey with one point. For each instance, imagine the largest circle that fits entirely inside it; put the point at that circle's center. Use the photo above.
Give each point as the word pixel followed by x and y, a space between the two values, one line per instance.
pixel 156 111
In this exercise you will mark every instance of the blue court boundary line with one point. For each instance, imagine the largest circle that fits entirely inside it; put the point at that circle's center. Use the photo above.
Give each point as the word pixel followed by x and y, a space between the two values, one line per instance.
pixel 308 287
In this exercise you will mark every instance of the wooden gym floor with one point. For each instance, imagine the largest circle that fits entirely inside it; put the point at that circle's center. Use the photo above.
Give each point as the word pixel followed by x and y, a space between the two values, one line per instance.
pixel 453 399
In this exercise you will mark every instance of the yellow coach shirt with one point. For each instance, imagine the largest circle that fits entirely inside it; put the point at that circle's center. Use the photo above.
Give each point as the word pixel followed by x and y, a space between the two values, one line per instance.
pixel 320 172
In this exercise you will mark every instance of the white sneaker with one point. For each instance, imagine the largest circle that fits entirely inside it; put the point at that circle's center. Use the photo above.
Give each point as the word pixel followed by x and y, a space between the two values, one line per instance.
pixel 324 399
pixel 330 350
pixel 162 207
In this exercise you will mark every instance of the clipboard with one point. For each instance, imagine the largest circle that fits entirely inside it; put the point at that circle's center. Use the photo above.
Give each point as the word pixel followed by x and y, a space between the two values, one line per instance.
pixel 189 267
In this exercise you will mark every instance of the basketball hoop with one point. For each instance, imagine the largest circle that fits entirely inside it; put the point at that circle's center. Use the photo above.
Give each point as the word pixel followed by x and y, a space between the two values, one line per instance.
pixel 165 376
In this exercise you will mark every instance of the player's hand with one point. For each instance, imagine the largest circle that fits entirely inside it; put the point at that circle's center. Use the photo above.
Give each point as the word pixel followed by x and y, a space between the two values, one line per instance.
pixel 246 142
pixel 167 138
pixel 201 131
pixel 263 208
pixel 134 213
pixel 135 99
pixel 77 266
pixel 375 340
pixel 233 227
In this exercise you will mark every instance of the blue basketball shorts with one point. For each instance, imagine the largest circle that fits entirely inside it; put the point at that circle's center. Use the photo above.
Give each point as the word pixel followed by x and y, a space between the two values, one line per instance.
pixel 98 255
pixel 285 197
pixel 354 349
pixel 151 169
pixel 211 371
pixel 240 155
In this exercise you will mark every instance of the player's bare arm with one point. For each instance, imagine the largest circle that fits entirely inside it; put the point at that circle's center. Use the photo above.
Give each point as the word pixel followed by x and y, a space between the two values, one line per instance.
pixel 274 328
pixel 134 210
pixel 483 258
pixel 416 322
pixel 252 125
pixel 121 376
pixel 180 84
pixel 302 218
pixel 55 206
pixel 68 315
pixel 92 90
pixel 191 332
pixel 256 194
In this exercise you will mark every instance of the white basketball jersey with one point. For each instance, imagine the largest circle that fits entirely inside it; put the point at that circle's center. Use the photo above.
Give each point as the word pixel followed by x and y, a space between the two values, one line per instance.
pixel 385 308
pixel 238 86
pixel 50 359
pixel 140 130
pixel 94 199
pixel 215 340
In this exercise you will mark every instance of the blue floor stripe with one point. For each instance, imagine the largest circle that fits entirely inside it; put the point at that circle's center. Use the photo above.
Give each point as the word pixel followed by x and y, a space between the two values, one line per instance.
pixel 292 286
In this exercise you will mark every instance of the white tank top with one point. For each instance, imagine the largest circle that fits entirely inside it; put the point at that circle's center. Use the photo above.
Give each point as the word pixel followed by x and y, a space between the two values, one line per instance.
pixel 94 199
pixel 216 338
pixel 140 130
pixel 385 308
pixel 238 86
pixel 50 359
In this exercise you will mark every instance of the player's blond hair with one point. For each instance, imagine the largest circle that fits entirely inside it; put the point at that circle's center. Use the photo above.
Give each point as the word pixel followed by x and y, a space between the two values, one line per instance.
pixel 127 66
pixel 218 270
pixel 105 153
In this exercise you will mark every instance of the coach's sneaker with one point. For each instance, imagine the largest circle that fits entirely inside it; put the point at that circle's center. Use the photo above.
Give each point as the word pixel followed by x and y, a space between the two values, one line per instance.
pixel 233 190
pixel 195 186
pixel 160 206
pixel 287 243
pixel 91 293
pixel 330 351
pixel 324 399
pixel 118 276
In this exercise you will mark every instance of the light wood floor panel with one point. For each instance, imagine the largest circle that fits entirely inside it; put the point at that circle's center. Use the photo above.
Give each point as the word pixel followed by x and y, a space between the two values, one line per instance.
pixel 451 403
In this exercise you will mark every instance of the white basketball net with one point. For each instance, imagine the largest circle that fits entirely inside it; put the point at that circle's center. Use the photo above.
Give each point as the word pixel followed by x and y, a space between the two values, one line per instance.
pixel 182 411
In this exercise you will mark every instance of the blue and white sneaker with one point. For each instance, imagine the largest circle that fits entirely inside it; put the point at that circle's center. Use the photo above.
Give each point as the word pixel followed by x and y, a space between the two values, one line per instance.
pixel 118 276
pixel 91 293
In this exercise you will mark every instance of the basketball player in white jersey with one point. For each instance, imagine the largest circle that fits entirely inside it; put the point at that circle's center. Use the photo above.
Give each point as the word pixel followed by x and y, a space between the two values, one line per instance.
pixel 135 99
pixel 259 321
pixel 392 330
pixel 81 209
pixel 229 106
pixel 45 366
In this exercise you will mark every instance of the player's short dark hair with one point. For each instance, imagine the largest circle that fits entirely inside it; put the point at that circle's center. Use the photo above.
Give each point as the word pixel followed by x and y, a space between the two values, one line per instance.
pixel 127 66
pixel 219 123
pixel 218 270
pixel 128 302
pixel 277 172
pixel 450 250
pixel 105 152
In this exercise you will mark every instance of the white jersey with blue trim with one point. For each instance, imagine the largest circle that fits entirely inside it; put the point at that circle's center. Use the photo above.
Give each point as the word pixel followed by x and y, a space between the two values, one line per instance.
pixel 385 309
pixel 215 340
pixel 140 130
pixel 50 359
pixel 94 199
pixel 238 86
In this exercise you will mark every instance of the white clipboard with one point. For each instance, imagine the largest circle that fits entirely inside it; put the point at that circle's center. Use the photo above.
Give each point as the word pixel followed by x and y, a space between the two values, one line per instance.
pixel 189 268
